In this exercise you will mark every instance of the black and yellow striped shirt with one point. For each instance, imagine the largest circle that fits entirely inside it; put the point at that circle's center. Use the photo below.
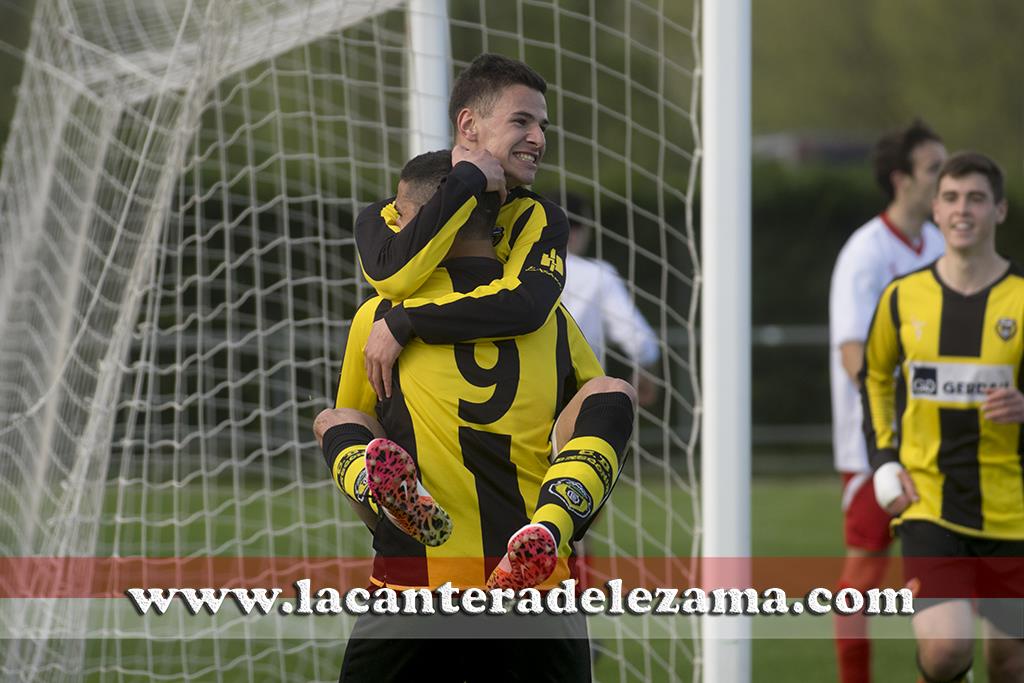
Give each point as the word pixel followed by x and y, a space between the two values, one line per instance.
pixel 949 350
pixel 477 417
pixel 530 238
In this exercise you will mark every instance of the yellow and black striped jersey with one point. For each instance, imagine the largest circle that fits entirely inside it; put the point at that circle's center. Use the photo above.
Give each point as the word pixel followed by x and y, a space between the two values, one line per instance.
pixel 949 349
pixel 477 417
pixel 530 237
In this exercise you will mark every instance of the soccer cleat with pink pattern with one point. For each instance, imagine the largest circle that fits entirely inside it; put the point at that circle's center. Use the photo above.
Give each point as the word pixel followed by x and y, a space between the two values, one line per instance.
pixel 392 478
pixel 531 558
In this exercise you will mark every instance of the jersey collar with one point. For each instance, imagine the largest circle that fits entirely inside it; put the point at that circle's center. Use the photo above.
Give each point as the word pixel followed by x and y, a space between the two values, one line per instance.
pixel 916 248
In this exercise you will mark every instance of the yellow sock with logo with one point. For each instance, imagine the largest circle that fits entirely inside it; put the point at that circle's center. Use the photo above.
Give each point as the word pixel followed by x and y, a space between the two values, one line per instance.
pixel 583 473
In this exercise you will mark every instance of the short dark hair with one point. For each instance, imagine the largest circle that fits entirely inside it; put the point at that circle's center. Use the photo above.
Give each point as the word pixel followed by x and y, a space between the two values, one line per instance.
pixel 425 172
pixel 485 78
pixel 965 163
pixel 893 153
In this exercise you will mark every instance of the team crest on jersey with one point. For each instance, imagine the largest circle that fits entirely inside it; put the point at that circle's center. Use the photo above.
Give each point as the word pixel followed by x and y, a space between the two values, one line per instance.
pixel 496 234
pixel 575 496
pixel 1006 328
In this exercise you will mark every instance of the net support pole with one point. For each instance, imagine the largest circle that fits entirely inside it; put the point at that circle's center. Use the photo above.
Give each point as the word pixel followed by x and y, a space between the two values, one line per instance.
pixel 725 329
pixel 429 63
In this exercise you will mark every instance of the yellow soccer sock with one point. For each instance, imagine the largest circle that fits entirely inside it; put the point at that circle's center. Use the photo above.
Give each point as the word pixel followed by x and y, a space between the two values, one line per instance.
pixel 583 473
pixel 574 488
pixel 345 451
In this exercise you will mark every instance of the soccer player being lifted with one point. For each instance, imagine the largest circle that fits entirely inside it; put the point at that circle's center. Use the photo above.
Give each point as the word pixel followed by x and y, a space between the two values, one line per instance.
pixel 499 114
pixel 949 463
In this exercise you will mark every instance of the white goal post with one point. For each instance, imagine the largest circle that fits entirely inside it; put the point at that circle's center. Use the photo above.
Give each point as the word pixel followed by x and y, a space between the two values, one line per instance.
pixel 178 272
pixel 725 327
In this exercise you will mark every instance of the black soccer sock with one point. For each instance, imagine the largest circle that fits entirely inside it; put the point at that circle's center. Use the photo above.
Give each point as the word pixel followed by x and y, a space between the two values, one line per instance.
pixel 345 453
pixel 583 473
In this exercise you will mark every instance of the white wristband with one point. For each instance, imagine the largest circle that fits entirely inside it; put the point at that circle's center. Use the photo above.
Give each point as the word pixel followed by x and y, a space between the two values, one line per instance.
pixel 888 486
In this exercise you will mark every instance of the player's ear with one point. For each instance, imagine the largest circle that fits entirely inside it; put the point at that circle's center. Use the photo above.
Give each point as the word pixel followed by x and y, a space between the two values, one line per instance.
pixel 465 124
pixel 1001 209
pixel 897 178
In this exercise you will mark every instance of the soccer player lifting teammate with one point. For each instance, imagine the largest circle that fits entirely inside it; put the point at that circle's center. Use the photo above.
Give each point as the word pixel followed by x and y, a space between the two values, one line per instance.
pixel 499 113
pixel 949 463
pixel 458 405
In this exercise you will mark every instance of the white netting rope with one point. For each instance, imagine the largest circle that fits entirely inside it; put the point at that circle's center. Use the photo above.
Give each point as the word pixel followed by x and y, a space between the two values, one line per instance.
pixel 177 268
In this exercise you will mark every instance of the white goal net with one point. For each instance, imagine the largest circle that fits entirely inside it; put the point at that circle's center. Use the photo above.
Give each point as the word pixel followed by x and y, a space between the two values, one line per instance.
pixel 177 273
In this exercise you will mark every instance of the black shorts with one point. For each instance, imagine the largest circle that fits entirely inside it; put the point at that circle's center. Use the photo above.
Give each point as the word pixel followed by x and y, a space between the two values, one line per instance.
pixel 384 648
pixel 953 566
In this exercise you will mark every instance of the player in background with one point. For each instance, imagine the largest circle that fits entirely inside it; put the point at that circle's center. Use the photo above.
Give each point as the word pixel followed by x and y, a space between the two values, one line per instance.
pixel 897 241
pixel 945 441
pixel 599 301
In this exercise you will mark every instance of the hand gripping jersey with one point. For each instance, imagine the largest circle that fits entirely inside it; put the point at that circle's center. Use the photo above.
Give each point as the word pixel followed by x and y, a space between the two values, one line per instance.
pixel 949 350
pixel 875 254
pixel 477 417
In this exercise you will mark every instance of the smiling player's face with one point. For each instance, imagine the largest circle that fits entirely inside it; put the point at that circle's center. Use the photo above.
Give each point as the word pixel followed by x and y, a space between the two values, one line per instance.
pixel 967 213
pixel 513 132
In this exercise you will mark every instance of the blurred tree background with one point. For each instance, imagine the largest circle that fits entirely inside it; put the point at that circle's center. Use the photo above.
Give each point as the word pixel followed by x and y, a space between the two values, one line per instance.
pixel 828 78
pixel 863 66
pixel 852 67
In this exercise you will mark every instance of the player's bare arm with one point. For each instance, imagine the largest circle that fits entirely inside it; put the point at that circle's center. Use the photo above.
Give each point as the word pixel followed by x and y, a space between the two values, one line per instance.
pixel 852 353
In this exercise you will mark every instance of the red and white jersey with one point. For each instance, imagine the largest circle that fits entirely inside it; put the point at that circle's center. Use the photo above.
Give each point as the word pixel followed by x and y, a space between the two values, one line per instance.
pixel 875 254
pixel 600 303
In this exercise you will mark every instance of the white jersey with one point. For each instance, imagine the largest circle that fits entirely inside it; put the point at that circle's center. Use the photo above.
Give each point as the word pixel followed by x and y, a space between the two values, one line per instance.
pixel 875 254
pixel 597 298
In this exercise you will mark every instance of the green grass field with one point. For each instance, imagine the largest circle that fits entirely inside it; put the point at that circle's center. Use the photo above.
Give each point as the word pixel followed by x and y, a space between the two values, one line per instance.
pixel 793 516
pixel 801 516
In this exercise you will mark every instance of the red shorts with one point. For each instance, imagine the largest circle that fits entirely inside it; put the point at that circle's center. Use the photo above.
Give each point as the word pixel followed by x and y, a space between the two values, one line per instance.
pixel 865 525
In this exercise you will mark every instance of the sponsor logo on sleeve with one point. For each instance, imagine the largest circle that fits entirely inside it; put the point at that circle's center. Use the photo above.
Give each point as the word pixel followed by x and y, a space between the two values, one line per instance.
pixel 963 383
pixel 552 265
pixel 553 262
